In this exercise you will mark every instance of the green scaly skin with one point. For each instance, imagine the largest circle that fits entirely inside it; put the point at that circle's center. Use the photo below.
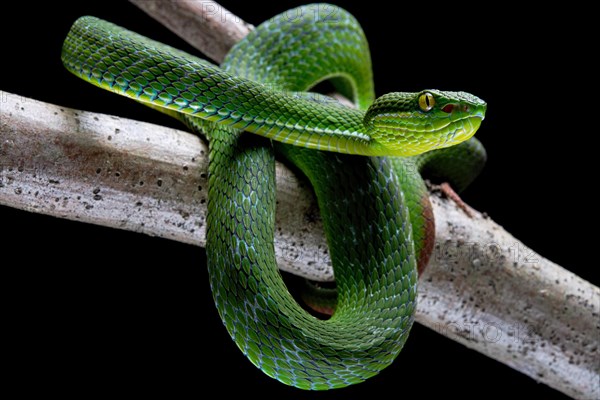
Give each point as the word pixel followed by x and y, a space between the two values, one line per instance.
pixel 364 210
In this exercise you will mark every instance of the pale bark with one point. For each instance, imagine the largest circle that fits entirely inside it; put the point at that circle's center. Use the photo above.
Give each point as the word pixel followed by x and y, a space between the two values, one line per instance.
pixel 205 24
pixel 133 175
pixel 482 288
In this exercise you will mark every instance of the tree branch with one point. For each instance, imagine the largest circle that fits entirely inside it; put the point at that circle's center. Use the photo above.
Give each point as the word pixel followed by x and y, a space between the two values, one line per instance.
pixel 205 24
pixel 133 175
pixel 482 288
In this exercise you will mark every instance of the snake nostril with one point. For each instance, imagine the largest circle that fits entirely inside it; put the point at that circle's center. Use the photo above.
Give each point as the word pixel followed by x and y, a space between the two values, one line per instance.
pixel 448 108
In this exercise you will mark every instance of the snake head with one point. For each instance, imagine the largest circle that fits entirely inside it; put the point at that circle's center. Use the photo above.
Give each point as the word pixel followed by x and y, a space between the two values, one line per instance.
pixel 407 124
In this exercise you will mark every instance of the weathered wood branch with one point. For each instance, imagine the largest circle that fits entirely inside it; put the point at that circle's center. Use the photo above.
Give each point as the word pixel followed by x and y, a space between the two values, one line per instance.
pixel 132 175
pixel 204 24
pixel 483 288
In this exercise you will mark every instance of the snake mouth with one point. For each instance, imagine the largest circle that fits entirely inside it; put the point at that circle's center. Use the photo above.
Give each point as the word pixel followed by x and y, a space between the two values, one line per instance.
pixel 463 125
pixel 458 130
pixel 469 125
pixel 415 136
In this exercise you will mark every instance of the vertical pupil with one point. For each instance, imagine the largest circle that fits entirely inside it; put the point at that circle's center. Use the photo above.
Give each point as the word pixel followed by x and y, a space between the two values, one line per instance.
pixel 426 101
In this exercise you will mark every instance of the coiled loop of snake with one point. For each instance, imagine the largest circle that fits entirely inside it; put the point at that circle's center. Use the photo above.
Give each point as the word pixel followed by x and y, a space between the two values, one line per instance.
pixel 369 214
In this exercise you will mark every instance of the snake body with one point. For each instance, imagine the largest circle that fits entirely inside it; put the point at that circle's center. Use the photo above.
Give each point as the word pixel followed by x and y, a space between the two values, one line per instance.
pixel 369 213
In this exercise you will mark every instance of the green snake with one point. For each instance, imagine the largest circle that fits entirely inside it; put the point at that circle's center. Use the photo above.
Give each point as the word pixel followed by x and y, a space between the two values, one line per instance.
pixel 374 206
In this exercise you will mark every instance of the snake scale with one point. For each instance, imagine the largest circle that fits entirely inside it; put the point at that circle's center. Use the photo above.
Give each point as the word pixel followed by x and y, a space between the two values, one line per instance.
pixel 360 161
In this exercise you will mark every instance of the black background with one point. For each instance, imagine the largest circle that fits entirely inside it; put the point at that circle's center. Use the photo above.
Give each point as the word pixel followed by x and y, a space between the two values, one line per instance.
pixel 99 310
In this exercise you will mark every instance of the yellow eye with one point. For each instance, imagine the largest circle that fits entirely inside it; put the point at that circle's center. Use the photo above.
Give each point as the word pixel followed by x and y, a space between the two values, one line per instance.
pixel 426 101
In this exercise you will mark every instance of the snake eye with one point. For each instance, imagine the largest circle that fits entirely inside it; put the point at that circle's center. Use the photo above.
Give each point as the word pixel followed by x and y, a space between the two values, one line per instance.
pixel 426 101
